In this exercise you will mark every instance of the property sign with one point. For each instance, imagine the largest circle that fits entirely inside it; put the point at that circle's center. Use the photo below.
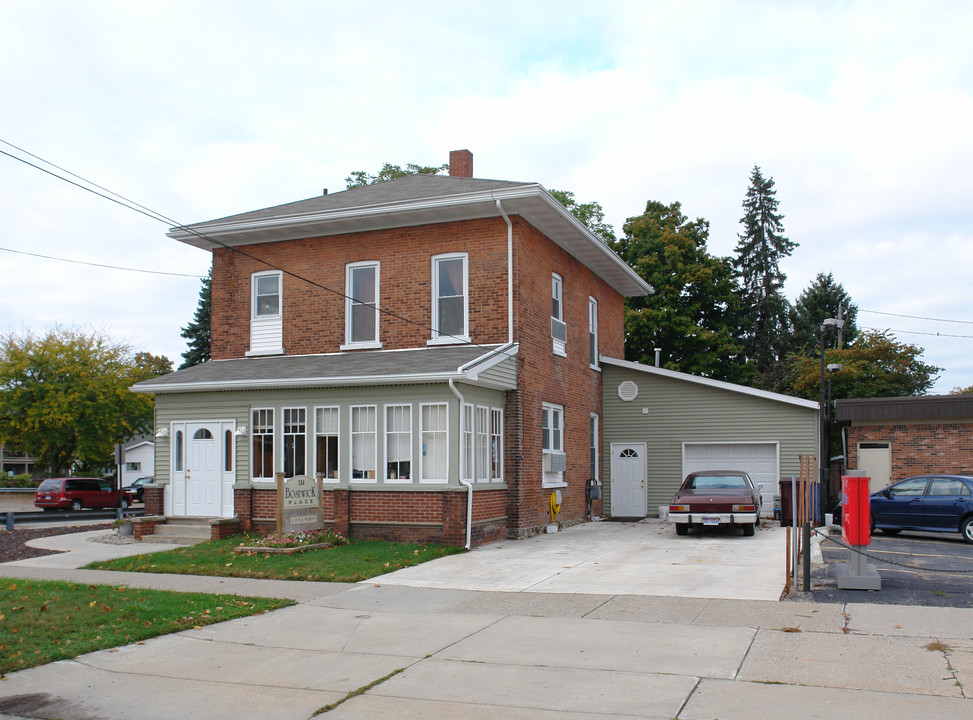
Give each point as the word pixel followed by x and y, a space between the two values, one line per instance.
pixel 299 504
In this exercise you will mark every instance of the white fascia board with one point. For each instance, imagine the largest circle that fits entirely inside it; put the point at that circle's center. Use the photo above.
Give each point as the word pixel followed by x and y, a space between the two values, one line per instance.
pixel 708 382
pixel 283 383
pixel 190 233
pixel 481 364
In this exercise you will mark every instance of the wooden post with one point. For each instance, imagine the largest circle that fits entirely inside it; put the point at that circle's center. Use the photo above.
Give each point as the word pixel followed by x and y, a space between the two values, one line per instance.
pixel 280 504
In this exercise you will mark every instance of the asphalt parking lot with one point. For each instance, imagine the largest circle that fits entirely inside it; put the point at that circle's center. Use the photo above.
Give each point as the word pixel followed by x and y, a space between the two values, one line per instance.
pixel 934 569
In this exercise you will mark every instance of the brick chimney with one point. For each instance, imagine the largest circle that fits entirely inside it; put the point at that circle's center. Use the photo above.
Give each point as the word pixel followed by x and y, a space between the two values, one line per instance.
pixel 460 163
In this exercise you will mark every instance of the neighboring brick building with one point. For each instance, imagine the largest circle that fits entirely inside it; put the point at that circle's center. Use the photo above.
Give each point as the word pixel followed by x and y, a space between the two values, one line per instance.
pixel 895 438
pixel 408 341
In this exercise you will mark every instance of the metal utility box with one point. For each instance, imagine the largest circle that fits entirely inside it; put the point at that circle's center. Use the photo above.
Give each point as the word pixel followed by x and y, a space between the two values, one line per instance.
pixel 856 515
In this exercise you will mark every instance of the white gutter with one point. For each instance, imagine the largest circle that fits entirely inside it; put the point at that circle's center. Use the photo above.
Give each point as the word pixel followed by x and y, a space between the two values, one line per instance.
pixel 466 484
pixel 510 274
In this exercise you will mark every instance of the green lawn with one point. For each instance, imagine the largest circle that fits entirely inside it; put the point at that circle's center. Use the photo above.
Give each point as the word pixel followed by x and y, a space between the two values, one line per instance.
pixel 358 560
pixel 42 621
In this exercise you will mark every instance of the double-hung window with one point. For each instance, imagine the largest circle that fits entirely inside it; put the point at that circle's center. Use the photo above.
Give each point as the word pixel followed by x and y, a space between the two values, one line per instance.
pixel 592 332
pixel 361 306
pixel 326 423
pixel 552 443
pixel 450 300
pixel 295 441
pixel 435 448
pixel 398 443
pixel 482 444
pixel 266 324
pixel 262 438
pixel 559 331
pixel 363 448
pixel 496 445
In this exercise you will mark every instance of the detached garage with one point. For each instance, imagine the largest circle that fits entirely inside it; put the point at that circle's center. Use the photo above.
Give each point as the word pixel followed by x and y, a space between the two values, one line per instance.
pixel 659 425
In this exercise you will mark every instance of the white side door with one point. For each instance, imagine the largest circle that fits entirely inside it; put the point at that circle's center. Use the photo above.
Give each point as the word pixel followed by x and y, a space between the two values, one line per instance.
pixel 203 470
pixel 628 497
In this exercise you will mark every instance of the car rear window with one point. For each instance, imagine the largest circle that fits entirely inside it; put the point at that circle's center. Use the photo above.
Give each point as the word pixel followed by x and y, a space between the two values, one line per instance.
pixel 718 482
pixel 49 485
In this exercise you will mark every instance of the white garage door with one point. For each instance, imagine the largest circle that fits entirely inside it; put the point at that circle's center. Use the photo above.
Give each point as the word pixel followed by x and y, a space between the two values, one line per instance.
pixel 761 460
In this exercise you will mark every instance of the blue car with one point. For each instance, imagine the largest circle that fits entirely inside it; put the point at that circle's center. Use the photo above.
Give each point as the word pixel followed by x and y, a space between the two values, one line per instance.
pixel 931 503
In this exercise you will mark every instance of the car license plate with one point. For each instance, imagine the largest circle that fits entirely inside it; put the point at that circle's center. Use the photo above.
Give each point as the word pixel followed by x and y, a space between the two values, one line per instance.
pixel 710 520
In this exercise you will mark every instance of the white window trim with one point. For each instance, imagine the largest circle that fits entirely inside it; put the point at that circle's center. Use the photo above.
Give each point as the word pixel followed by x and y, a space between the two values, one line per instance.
pixel 552 479
pixel 253 294
pixel 284 434
pixel 437 337
pixel 385 446
pixel 274 435
pixel 482 474
pixel 422 479
pixel 467 449
pixel 318 433
pixel 593 331
pixel 369 344
pixel 351 444
pixel 499 450
pixel 595 426
pixel 266 324
pixel 557 290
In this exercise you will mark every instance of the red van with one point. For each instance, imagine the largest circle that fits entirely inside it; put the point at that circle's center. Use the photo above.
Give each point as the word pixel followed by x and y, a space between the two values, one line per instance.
pixel 76 493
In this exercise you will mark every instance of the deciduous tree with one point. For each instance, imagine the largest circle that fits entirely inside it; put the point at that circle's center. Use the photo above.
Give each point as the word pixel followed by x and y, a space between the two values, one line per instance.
pixel 65 398
pixel 693 315
pixel 360 178
pixel 590 214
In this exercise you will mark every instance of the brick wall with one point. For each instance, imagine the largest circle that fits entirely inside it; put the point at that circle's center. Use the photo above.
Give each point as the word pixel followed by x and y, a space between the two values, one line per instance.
pixel 918 449
pixel 314 318
pixel 545 377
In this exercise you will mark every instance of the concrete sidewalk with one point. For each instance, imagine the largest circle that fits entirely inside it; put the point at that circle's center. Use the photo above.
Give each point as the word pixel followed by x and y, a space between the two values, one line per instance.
pixel 469 653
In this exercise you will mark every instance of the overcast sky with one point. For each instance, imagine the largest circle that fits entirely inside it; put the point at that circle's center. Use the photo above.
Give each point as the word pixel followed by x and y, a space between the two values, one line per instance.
pixel 862 112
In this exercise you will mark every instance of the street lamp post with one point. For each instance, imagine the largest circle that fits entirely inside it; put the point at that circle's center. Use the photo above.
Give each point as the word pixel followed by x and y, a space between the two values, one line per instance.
pixel 824 449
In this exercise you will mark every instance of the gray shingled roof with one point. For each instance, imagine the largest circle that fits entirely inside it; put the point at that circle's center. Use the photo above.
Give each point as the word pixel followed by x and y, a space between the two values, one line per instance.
pixel 406 189
pixel 373 367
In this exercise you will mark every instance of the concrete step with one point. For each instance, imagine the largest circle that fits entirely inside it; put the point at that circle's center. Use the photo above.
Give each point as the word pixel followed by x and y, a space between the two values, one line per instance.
pixel 183 530
pixel 174 539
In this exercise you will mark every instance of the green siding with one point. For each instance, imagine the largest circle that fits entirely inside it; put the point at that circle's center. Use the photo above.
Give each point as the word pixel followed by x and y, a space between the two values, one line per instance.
pixel 680 411
pixel 236 406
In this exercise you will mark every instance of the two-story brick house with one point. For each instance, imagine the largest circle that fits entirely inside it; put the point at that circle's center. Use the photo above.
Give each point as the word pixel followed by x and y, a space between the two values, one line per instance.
pixel 429 345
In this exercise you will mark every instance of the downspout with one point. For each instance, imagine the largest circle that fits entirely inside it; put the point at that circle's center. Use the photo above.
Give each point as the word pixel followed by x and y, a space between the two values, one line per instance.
pixel 510 274
pixel 468 485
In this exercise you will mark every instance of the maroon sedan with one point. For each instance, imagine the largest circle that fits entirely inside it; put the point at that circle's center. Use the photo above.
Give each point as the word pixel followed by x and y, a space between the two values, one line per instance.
pixel 716 497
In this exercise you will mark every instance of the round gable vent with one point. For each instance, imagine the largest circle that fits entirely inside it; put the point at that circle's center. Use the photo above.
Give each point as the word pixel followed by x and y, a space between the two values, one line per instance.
pixel 628 391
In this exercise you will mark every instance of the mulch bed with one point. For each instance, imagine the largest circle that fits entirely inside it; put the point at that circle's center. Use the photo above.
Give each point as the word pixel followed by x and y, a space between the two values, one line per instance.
pixel 13 543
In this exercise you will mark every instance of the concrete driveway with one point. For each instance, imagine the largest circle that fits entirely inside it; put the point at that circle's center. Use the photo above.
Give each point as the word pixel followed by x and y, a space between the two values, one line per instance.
pixel 630 558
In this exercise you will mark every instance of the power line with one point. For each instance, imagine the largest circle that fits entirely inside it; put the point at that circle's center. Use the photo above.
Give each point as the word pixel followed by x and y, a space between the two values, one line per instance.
pixel 148 212
pixel 918 332
pixel 917 317
pixel 111 267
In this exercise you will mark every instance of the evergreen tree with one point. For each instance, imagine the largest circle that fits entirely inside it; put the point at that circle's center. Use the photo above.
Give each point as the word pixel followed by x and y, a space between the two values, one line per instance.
pixel 822 299
pixel 693 315
pixel 758 253
pixel 198 331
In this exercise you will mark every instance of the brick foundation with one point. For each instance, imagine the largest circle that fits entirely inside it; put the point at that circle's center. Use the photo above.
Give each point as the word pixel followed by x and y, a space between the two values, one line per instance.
pixel 425 516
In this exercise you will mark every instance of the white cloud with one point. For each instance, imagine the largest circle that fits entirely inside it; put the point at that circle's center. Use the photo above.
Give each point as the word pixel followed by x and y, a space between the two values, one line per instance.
pixel 860 111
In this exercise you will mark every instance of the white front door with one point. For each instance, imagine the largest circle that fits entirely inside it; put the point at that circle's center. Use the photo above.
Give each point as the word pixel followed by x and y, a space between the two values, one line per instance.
pixel 628 498
pixel 203 470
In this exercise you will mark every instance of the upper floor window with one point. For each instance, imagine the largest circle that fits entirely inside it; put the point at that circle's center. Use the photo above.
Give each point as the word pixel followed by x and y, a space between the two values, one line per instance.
pixel 266 326
pixel 592 332
pixel 559 331
pixel 361 306
pixel 266 294
pixel 450 301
